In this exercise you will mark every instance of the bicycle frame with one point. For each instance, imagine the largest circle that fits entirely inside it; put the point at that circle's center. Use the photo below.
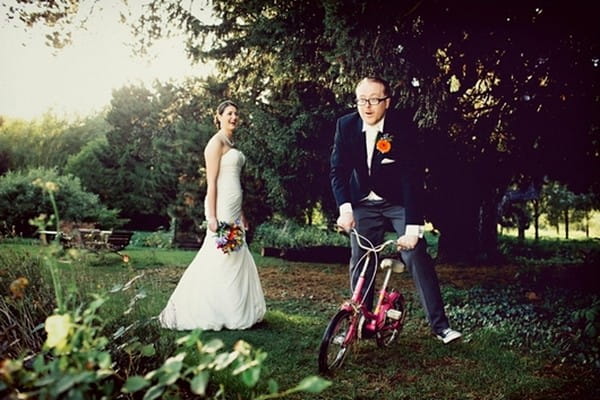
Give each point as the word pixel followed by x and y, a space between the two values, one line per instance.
pixel 376 319
pixel 353 318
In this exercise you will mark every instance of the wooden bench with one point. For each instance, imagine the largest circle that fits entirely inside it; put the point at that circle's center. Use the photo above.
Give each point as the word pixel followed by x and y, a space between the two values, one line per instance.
pixel 91 239
pixel 118 240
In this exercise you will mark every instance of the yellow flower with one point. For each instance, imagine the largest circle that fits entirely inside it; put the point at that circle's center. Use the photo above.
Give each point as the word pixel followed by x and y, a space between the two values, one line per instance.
pixel 51 187
pixel 58 328
pixel 17 287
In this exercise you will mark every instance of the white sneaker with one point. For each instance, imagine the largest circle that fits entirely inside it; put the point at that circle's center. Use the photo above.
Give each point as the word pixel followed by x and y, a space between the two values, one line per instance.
pixel 448 335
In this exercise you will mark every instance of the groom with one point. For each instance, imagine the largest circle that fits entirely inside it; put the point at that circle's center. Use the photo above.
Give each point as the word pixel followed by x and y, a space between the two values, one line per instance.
pixel 377 180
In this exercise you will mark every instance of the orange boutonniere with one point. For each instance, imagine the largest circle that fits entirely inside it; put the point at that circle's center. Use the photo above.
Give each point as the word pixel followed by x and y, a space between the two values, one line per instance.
pixel 384 144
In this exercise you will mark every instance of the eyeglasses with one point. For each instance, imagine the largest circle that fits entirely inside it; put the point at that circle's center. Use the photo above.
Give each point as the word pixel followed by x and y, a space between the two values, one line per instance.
pixel 372 101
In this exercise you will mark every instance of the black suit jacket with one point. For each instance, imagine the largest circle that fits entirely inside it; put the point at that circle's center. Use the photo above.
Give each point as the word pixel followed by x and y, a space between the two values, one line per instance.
pixel 397 176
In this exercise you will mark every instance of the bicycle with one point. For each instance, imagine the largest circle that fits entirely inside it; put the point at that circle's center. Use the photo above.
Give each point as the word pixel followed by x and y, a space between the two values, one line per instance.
pixel 354 321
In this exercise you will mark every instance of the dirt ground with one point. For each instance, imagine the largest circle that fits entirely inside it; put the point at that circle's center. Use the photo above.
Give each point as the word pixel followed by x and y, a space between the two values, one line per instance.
pixel 323 282
pixel 326 282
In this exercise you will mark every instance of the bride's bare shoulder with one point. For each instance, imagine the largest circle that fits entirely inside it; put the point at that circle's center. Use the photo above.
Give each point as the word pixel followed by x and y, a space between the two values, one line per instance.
pixel 215 144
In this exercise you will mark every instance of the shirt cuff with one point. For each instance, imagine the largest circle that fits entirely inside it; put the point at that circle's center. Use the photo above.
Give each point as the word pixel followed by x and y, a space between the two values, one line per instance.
pixel 345 208
pixel 415 230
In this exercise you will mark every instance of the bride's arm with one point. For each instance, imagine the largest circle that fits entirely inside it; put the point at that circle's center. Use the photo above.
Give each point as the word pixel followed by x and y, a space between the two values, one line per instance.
pixel 212 158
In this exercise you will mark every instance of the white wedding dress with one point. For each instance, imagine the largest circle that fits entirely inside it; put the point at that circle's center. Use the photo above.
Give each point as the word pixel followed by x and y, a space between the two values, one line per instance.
pixel 219 290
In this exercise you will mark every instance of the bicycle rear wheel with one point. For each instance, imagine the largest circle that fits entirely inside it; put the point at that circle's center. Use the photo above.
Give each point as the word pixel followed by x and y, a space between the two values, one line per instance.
pixel 333 350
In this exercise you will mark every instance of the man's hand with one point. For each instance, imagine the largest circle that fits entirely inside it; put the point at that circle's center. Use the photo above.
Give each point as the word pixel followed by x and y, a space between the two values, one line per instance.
pixel 407 242
pixel 346 221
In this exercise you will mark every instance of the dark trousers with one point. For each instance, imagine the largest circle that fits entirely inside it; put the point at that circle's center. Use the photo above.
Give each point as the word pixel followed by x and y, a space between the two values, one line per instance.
pixel 372 218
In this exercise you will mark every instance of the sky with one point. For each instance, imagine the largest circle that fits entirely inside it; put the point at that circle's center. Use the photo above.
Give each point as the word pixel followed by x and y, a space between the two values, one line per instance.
pixel 78 80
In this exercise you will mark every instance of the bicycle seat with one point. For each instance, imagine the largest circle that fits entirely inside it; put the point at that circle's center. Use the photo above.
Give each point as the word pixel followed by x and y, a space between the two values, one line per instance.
pixel 397 266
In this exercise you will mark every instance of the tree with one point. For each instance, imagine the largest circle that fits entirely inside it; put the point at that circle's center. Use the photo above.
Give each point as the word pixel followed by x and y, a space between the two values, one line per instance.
pixel 488 84
pixel 585 204
pixel 558 201
pixel 492 85
pixel 22 201
pixel 45 142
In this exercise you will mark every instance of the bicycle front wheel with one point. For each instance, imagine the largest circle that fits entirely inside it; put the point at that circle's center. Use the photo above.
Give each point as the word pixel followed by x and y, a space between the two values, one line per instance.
pixel 335 345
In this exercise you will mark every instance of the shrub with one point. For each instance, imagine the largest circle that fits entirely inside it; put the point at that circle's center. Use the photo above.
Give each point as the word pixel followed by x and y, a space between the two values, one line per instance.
pixel 76 363
pixel 550 251
pixel 290 235
pixel 21 201
pixel 159 239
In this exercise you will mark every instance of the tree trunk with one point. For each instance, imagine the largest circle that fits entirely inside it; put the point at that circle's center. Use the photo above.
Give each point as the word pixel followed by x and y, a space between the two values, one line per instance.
pixel 488 226
pixel 536 219
pixel 587 226
pixel 521 234
pixel 455 212
pixel 566 224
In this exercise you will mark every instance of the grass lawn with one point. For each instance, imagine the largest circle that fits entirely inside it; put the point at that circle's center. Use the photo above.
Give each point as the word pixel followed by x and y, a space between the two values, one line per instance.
pixel 301 298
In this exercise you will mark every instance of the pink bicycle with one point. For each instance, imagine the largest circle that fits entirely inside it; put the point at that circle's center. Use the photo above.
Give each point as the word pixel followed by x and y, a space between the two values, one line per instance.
pixel 354 321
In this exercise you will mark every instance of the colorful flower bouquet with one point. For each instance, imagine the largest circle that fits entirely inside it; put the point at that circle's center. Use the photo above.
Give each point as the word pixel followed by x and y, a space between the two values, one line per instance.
pixel 229 237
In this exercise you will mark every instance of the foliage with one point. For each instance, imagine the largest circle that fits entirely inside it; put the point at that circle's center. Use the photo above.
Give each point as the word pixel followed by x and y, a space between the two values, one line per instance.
pixel 563 323
pixel 294 139
pixel 158 239
pixel 289 235
pixel 26 299
pixel 45 142
pixel 492 85
pixel 489 98
pixel 21 201
pixel 550 251
pixel 76 363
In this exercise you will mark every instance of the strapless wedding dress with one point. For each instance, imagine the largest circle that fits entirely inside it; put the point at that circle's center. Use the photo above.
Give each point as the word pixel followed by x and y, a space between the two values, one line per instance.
pixel 219 290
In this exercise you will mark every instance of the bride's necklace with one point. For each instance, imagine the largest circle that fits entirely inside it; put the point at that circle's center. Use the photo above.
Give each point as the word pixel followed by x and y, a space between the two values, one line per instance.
pixel 227 140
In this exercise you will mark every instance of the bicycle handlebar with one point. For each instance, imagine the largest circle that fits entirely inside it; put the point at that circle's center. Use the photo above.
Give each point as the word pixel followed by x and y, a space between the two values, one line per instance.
pixel 370 247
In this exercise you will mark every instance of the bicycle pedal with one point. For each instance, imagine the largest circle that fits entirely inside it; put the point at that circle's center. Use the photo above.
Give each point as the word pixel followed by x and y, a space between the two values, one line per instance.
pixel 394 314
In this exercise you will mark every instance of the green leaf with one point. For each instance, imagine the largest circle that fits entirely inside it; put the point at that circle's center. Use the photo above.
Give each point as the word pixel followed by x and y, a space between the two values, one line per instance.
pixel 116 288
pixel 200 382
pixel 313 384
pixel 251 376
pixel 154 392
pixel 104 360
pixel 169 377
pixel 148 350
pixel 213 346
pixel 64 383
pixel 590 331
pixel 273 386
pixel 135 383
pixel 223 360
pixel 174 363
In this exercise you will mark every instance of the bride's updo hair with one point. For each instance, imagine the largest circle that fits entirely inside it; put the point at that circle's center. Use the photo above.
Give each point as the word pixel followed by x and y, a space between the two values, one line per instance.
pixel 221 108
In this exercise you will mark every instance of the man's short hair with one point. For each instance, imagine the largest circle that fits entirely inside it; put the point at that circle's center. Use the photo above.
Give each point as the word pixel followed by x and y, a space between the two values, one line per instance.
pixel 387 90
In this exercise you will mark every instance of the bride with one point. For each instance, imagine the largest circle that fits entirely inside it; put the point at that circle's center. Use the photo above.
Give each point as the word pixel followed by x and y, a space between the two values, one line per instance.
pixel 219 289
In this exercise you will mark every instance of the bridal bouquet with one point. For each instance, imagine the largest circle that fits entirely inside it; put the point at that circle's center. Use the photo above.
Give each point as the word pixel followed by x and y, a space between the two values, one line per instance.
pixel 229 237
